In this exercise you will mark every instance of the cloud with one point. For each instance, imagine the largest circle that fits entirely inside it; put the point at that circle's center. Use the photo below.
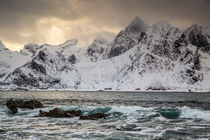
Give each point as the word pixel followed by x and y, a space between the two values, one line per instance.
pixel 54 21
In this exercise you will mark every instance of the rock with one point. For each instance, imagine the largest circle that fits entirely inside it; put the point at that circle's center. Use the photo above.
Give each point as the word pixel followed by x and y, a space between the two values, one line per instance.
pixel 72 59
pixel 38 67
pixel 32 104
pixel 2 131
pixel 14 105
pixel 59 113
pixel 75 112
pixel 95 116
pixel 22 80
pixel 158 139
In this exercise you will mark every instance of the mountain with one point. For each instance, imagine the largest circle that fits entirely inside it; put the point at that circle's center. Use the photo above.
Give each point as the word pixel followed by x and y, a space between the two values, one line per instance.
pixel 126 39
pixel 157 57
pixel 10 60
pixel 198 36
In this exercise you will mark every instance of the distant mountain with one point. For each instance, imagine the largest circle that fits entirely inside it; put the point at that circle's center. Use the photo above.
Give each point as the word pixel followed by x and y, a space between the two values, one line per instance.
pixel 157 57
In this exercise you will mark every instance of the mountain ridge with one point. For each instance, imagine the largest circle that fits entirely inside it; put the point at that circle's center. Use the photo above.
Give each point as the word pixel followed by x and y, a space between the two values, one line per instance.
pixel 139 57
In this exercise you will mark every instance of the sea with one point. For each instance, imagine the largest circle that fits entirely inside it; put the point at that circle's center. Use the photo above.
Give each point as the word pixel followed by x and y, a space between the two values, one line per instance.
pixel 131 116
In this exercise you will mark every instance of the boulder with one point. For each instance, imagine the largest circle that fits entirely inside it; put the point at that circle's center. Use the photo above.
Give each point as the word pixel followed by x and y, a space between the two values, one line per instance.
pixel 2 131
pixel 12 105
pixel 158 139
pixel 95 116
pixel 31 104
pixel 59 113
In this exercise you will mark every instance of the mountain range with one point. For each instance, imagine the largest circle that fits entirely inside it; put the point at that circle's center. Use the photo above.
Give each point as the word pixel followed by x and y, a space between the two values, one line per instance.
pixel 140 57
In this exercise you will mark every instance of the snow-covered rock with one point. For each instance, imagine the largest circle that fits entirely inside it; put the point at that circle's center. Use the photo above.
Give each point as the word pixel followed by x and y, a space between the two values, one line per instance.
pixel 198 36
pixel 126 39
pixel 9 61
pixel 96 49
pixel 45 70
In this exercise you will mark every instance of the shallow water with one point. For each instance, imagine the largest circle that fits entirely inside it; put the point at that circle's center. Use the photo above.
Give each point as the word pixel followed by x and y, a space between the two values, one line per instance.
pixel 132 115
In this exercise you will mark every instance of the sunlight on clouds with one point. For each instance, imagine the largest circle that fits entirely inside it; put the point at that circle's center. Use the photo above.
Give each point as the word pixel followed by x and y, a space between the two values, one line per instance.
pixel 56 31
pixel 13 46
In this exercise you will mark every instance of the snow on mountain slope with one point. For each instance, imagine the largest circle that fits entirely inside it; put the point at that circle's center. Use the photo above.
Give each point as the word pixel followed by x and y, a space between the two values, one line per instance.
pixel 97 48
pixel 157 57
pixel 198 36
pixel 126 39
pixel 44 70
pixel 9 61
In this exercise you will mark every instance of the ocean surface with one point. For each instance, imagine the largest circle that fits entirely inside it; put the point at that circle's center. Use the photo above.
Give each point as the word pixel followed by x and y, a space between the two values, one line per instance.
pixel 132 116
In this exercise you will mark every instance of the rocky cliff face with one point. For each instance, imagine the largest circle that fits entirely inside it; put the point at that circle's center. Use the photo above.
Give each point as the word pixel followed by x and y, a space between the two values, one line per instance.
pixel 140 57
pixel 126 39
pixel 198 36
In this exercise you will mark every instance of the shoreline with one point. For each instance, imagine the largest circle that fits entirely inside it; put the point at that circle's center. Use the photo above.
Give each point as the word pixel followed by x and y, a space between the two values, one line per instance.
pixel 130 91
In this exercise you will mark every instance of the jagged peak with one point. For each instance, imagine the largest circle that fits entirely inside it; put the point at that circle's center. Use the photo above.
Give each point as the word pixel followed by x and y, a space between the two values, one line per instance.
pixel 198 28
pixel 137 25
pixel 30 46
pixel 100 40
pixel 163 25
pixel 137 20
pixel 194 28
pixel 71 42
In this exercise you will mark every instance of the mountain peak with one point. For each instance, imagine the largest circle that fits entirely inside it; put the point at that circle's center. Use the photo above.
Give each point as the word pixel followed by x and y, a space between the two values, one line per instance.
pixel 137 25
pixel 195 27
pixel 100 40
pixel 71 42
pixel 137 20
pixel 198 29
pixel 163 25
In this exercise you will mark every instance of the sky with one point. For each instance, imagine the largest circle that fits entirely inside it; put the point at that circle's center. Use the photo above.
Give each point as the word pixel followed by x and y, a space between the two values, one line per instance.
pixel 55 21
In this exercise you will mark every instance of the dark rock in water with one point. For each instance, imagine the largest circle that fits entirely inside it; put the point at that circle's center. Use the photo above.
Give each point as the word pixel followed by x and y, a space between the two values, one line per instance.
pixel 2 131
pixel 32 104
pixel 59 113
pixel 95 116
pixel 14 105
pixel 75 112
pixel 158 139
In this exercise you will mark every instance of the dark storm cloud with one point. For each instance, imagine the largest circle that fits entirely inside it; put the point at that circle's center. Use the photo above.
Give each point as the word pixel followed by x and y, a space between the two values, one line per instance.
pixel 18 16
pixel 121 11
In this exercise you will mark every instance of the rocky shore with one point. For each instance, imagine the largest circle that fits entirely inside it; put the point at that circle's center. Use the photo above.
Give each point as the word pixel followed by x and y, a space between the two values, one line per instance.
pixel 13 105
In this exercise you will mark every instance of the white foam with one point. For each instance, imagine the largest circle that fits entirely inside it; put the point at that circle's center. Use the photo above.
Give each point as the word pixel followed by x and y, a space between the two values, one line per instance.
pixel 129 109
pixel 195 114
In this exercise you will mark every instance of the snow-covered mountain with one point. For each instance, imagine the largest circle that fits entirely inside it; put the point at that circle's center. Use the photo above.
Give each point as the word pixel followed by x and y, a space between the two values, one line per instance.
pixel 10 60
pixel 157 57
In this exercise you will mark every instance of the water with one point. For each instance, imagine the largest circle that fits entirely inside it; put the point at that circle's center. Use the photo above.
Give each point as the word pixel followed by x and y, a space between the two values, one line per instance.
pixel 132 115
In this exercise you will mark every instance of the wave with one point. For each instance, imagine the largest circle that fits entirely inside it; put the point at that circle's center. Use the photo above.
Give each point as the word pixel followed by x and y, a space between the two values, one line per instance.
pixel 189 113
pixel 123 121
pixel 131 111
